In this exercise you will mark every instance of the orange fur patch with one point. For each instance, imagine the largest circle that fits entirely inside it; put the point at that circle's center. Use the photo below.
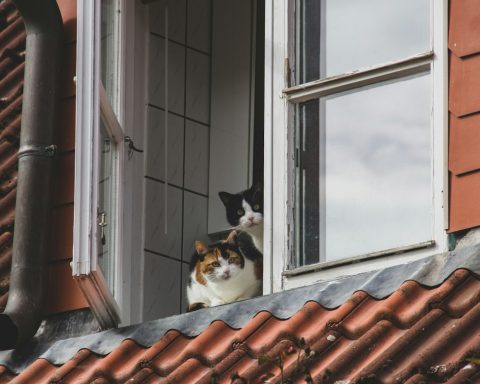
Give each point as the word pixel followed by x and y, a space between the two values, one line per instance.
pixel 234 257
pixel 204 267
pixel 199 275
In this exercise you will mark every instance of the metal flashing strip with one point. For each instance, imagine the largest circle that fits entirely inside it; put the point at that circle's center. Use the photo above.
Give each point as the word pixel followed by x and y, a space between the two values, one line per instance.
pixel 430 271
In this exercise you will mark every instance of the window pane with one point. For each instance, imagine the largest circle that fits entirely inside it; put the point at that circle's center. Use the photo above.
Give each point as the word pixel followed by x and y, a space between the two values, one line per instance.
pixel 373 184
pixel 338 36
pixel 105 230
pixel 109 50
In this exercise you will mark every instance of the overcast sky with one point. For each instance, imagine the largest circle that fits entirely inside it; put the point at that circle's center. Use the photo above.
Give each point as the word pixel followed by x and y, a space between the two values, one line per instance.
pixel 361 33
pixel 378 161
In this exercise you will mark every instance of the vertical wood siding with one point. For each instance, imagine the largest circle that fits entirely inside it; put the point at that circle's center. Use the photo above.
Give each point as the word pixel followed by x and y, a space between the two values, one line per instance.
pixel 63 292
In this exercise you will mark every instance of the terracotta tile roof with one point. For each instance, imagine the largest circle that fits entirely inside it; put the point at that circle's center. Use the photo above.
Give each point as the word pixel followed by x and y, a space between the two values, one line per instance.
pixel 417 334
pixel 12 48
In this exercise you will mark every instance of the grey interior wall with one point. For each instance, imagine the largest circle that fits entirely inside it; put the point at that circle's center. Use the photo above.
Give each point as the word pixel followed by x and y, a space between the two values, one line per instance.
pixel 232 110
pixel 176 201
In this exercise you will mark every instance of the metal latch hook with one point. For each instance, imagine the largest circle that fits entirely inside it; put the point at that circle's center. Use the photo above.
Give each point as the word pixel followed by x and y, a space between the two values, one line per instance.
pixel 131 146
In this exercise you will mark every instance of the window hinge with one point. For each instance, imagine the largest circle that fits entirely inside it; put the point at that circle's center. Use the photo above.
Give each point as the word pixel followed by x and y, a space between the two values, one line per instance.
pixel 297 158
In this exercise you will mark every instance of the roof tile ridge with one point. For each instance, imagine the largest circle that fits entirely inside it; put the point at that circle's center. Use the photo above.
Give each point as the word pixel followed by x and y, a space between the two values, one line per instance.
pixel 382 311
pixel 464 307
pixel 4 370
pixel 12 130
pixel 432 346
pixel 14 24
pixel 225 365
pixel 15 73
pixel 64 370
pixel 11 108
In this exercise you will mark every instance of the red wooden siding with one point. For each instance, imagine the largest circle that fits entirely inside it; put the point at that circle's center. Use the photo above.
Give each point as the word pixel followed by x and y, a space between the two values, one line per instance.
pixel 464 107
pixel 64 294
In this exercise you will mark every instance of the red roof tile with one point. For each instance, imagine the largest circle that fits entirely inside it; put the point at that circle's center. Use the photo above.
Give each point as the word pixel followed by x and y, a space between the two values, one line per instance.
pixel 417 334
pixel 12 47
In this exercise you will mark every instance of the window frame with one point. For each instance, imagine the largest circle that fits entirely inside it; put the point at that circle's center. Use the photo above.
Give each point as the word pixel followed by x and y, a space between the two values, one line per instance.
pixel 91 105
pixel 280 99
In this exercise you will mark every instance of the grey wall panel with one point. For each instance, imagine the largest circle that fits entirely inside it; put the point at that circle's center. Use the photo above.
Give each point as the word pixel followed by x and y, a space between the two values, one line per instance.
pixel 230 104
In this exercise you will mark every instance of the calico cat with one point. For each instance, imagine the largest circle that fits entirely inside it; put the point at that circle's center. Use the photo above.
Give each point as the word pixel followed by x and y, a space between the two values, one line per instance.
pixel 221 274
pixel 245 212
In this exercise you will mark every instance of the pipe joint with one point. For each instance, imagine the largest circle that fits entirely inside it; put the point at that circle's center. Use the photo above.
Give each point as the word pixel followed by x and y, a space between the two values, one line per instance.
pixel 37 151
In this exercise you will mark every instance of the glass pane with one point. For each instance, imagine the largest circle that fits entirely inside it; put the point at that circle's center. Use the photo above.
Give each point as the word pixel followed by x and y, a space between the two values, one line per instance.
pixel 105 230
pixel 365 185
pixel 109 50
pixel 338 36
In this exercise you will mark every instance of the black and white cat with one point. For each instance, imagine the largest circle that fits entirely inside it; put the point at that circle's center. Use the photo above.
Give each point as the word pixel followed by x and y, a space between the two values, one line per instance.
pixel 221 274
pixel 245 212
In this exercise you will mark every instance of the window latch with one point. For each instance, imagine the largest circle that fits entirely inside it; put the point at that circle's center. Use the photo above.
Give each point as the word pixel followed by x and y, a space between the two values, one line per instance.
pixel 131 146
pixel 102 223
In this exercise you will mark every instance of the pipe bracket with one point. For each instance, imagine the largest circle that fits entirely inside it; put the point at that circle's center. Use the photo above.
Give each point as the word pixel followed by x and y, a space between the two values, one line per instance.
pixel 37 151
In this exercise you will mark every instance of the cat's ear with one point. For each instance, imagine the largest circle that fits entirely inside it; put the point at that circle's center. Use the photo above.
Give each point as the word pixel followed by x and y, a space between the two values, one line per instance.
pixel 225 197
pixel 232 238
pixel 201 248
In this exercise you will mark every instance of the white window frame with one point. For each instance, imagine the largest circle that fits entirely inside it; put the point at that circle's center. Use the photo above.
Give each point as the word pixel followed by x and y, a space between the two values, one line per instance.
pixel 91 100
pixel 279 167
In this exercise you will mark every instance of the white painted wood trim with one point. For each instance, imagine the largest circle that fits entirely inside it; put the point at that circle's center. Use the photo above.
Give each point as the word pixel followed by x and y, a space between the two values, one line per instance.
pixel 100 299
pixel 436 61
pixel 276 156
pixel 86 116
pixel 340 271
pixel 359 78
pixel 111 122
pixel 267 152
pixel 440 114
pixel 84 265
pixel 357 259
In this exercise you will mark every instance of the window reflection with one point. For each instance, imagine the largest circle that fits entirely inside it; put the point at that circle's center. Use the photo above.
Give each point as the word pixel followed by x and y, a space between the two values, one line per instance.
pixel 373 163
pixel 109 50
pixel 105 221
pixel 338 36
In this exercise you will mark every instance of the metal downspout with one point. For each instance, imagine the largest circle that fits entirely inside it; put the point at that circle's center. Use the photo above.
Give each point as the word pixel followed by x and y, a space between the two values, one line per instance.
pixel 24 310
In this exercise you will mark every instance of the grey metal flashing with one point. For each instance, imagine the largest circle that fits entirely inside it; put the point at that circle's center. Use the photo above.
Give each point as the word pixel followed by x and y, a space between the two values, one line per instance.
pixel 431 271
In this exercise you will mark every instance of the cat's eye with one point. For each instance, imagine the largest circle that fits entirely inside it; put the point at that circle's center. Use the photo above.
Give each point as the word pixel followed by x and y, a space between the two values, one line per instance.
pixel 256 207
pixel 215 264
pixel 240 212
pixel 231 260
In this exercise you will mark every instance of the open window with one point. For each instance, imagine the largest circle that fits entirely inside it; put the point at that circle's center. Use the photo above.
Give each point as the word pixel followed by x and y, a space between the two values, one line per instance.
pixel 174 100
pixel 365 117
pixel 169 113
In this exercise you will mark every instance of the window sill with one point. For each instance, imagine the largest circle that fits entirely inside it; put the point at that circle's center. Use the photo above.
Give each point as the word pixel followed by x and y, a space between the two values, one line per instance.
pixel 357 259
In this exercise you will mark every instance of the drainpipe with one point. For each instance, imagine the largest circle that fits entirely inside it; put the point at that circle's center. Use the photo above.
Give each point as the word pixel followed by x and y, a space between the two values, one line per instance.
pixel 24 311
